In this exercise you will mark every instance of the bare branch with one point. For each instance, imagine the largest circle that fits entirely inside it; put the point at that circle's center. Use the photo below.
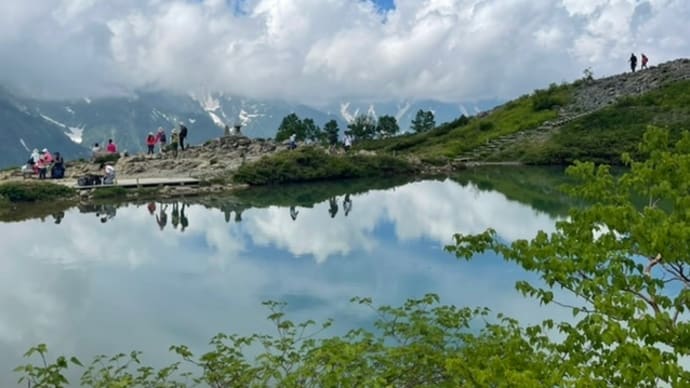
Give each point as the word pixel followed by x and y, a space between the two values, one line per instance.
pixel 652 263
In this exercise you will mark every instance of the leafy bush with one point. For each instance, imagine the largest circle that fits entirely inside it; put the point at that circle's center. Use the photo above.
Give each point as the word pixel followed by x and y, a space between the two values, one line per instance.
pixel 109 192
pixel 312 164
pixel 30 191
pixel 421 343
pixel 486 125
pixel 107 158
pixel 550 98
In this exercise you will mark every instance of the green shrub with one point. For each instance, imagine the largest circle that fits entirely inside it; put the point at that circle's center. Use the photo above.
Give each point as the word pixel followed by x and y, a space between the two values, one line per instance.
pixel 30 191
pixel 312 164
pixel 109 192
pixel 107 158
pixel 486 125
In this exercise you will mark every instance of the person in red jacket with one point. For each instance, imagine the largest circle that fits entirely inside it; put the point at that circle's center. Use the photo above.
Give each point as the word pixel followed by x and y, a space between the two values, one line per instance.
pixel 111 148
pixel 150 143
pixel 644 61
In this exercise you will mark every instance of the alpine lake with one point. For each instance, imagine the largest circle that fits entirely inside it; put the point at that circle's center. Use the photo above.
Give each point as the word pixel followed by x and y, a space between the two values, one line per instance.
pixel 116 277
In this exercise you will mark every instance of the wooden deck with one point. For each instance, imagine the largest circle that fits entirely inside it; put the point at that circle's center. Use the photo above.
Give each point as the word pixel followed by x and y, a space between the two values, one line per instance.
pixel 139 182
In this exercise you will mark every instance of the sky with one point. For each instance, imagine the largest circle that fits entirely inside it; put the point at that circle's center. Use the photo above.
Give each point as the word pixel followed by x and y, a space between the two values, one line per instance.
pixel 317 51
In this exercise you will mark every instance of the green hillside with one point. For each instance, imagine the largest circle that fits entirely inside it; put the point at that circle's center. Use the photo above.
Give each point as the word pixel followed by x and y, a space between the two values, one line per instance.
pixel 589 119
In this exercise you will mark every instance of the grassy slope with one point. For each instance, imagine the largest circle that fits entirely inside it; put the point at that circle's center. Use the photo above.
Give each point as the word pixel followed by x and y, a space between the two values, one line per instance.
pixel 604 135
pixel 451 139
pixel 599 137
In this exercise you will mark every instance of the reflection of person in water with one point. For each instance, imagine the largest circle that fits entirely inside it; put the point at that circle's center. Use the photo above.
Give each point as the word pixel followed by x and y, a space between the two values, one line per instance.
pixel 293 213
pixel 152 207
pixel 347 204
pixel 238 215
pixel 333 206
pixel 175 215
pixel 183 218
pixel 58 217
pixel 162 216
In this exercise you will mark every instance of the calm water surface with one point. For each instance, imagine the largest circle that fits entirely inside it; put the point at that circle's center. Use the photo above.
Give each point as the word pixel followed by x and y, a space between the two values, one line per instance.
pixel 110 279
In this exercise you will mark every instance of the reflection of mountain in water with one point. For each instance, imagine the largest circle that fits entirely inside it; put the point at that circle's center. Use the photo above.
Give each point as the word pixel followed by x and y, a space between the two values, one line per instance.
pixel 537 187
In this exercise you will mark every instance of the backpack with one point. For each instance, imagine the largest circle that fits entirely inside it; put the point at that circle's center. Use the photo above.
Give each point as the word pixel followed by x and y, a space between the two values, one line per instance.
pixel 89 180
pixel 162 137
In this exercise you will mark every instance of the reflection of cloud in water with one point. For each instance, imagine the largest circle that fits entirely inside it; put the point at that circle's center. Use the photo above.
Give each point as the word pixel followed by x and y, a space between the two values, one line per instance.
pixel 88 287
pixel 431 209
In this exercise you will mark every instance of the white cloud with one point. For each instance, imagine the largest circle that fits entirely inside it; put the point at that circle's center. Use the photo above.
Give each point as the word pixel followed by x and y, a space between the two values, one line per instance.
pixel 314 50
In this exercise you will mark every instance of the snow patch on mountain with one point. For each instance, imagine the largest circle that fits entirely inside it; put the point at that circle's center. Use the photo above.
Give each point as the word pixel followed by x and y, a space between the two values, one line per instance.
pixel 87 100
pixel 69 110
pixel 402 110
pixel 344 112
pixel 23 143
pixel 74 133
pixel 246 117
pixel 216 120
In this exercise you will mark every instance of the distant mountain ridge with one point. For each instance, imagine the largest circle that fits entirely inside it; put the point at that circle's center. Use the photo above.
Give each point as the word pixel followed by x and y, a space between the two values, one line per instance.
pixel 73 126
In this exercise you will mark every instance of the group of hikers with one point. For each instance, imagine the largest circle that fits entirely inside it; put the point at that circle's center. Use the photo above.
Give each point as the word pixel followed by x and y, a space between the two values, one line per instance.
pixel 177 140
pixel 633 62
pixel 40 163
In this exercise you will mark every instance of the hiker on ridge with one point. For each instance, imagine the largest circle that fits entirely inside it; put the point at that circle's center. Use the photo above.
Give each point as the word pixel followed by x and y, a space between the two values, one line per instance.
pixel 183 135
pixel 633 62
pixel 161 139
pixel 111 148
pixel 644 61
pixel 150 143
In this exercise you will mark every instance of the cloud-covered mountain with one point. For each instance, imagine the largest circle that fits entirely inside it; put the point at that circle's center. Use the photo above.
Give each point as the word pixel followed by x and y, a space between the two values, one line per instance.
pixel 24 129
pixel 72 126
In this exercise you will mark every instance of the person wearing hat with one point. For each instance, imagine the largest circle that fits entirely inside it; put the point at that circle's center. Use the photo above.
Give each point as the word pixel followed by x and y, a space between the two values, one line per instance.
pixel 150 143
pixel 47 157
pixel 174 141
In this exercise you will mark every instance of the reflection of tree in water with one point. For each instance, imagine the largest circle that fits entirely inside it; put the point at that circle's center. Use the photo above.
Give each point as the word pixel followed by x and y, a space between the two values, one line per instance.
pixel 58 217
pixel 332 206
pixel 293 213
pixel 162 216
pixel 227 210
pixel 347 204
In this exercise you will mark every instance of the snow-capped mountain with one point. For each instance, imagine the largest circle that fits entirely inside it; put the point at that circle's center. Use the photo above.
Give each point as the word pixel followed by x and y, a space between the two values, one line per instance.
pixel 73 126
pixel 405 111
pixel 23 130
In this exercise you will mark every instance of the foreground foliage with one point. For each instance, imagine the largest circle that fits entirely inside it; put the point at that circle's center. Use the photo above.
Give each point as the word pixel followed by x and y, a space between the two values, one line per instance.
pixel 620 265
pixel 306 164
pixel 421 343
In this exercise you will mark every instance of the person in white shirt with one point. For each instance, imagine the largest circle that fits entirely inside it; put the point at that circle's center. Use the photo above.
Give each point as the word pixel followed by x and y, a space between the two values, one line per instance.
pixel 109 177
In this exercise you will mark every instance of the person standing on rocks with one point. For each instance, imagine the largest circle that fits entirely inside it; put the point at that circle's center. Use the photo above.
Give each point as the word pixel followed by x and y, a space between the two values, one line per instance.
pixel 150 143
pixel 183 135
pixel 161 138
pixel 644 61
pixel 174 141
pixel 633 62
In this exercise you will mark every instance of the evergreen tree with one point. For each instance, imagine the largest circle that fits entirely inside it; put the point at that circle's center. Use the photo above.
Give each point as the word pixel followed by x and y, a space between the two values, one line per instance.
pixel 423 121
pixel 387 126
pixel 330 132
pixel 310 130
pixel 290 124
pixel 362 127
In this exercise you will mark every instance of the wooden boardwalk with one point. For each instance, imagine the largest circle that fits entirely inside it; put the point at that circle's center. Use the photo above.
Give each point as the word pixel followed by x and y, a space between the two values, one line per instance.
pixel 138 182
